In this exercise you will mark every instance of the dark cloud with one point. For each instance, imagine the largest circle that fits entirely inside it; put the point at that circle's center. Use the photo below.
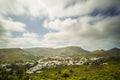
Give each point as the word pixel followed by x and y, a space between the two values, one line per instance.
pixel 73 2
pixel 103 34
pixel 111 11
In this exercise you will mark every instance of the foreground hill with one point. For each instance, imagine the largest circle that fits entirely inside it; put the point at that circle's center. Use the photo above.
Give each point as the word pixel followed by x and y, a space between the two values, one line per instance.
pixel 11 55
pixel 110 70
pixel 102 69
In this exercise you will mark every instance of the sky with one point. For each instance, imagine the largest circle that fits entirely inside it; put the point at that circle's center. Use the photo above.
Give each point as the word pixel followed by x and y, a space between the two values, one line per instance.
pixel 90 24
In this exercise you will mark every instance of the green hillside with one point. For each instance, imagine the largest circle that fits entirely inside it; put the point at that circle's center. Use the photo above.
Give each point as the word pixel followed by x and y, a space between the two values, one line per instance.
pixel 11 55
pixel 103 53
pixel 39 51
pixel 71 50
pixel 96 71
pixel 21 55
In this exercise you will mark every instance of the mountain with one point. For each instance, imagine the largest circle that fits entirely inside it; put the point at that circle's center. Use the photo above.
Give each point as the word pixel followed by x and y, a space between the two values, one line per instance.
pixel 103 53
pixel 68 51
pixel 99 52
pixel 22 55
pixel 11 55
pixel 72 50
pixel 114 50
pixel 40 51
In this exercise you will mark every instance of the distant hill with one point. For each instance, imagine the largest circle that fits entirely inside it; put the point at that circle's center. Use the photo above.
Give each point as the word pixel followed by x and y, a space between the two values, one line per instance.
pixel 11 55
pixel 72 50
pixel 102 53
pixel 40 51
pixel 68 51
pixel 114 50
pixel 21 55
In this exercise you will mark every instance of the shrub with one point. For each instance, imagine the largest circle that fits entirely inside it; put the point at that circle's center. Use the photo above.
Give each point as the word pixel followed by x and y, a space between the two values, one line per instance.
pixel 65 75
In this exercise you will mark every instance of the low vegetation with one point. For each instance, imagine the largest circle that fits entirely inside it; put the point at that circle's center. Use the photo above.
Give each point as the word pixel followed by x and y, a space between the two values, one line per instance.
pixel 94 71
pixel 83 72
pixel 105 68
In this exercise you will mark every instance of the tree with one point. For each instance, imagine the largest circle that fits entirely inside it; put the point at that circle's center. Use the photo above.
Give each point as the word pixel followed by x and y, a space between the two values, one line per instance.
pixel 71 71
pixel 65 75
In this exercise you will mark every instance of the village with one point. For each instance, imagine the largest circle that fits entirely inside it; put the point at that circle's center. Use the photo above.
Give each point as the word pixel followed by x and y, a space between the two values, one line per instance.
pixel 52 62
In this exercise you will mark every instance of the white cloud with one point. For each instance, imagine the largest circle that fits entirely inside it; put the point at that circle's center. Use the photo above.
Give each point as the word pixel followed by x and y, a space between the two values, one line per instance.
pixel 102 33
pixel 57 9
pixel 64 29
pixel 32 8
pixel 28 34
pixel 84 31
pixel 27 39
pixel 61 25
pixel 7 27
pixel 54 8
pixel 12 26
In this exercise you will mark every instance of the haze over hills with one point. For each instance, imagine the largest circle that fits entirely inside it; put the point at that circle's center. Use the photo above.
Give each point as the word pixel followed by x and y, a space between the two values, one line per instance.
pixel 21 55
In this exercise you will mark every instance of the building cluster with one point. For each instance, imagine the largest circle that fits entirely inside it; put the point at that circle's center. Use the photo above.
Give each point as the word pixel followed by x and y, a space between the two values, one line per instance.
pixel 51 62
pixel 55 61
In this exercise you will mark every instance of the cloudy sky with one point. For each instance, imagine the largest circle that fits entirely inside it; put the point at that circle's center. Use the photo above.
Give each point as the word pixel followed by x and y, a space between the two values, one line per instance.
pixel 90 24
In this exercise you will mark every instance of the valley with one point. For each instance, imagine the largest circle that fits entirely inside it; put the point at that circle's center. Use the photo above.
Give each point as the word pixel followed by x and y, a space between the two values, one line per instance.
pixel 69 63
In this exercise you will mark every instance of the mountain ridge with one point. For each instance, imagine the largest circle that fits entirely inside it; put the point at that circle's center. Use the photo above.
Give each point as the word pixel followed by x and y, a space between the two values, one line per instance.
pixel 21 55
pixel 57 51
